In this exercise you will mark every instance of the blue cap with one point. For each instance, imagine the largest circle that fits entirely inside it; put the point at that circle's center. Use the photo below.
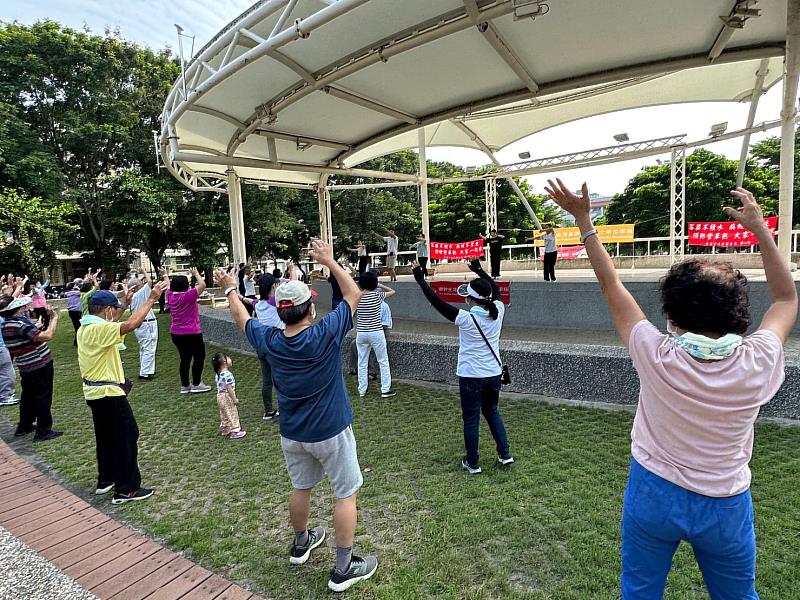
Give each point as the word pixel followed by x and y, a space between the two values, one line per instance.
pixel 104 298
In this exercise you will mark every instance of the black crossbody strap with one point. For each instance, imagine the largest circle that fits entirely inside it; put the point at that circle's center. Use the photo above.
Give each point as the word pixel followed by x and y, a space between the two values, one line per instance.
pixel 474 320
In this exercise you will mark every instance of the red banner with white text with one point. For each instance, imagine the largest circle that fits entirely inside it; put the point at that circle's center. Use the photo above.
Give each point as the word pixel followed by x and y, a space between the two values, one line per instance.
pixel 448 291
pixel 725 234
pixel 457 251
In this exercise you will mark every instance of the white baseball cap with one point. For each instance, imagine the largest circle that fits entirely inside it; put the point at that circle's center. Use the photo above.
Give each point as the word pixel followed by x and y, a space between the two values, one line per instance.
pixel 293 293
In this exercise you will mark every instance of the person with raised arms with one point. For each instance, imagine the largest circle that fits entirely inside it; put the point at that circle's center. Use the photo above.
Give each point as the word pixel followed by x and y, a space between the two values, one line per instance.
pixel 702 385
pixel 392 242
pixel 479 368
pixel 315 413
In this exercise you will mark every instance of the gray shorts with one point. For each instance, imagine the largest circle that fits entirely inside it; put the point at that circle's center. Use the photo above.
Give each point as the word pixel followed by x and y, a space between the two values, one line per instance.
pixel 308 463
pixel 391 261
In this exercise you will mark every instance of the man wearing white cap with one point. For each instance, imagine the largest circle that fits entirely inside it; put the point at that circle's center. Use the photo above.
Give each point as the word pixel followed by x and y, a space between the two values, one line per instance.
pixel 315 414
pixel 147 332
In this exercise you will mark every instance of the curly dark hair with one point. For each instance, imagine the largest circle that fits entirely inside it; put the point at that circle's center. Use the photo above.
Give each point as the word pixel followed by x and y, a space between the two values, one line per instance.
pixel 704 296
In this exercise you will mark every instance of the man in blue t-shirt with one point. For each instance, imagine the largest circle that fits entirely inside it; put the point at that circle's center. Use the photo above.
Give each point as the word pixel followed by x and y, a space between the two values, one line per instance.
pixel 315 413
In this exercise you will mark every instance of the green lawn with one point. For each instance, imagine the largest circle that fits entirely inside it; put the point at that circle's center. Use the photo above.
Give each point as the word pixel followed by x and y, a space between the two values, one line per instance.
pixel 547 527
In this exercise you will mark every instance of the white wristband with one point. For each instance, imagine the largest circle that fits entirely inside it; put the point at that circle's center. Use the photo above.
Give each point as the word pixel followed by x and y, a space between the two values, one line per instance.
pixel 588 234
pixel 229 290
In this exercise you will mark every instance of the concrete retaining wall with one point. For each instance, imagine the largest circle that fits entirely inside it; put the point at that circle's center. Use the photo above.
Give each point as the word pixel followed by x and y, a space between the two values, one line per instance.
pixel 574 372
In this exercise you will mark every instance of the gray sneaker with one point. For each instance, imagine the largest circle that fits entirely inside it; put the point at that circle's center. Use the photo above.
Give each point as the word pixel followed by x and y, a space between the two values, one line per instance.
pixel 185 389
pixel 199 388
pixel 299 554
pixel 360 568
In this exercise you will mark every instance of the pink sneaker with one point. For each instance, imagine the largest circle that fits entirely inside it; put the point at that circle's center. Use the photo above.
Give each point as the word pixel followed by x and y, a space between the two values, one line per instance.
pixel 236 435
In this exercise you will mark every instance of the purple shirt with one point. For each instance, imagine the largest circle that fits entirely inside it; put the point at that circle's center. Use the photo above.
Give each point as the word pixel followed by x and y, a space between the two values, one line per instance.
pixel 184 311
pixel 74 300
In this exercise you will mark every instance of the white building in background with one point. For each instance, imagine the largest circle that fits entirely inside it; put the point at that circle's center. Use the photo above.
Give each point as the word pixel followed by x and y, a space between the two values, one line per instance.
pixel 598 205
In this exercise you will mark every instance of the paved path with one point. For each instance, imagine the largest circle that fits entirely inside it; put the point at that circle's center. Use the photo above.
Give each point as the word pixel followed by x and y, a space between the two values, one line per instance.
pixel 86 549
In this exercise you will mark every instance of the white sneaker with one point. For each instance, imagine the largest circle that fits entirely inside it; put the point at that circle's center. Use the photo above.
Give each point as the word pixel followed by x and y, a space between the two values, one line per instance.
pixel 9 402
pixel 199 388
pixel 185 389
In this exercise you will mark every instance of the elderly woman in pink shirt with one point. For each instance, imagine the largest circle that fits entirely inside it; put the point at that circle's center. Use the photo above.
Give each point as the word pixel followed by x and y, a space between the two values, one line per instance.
pixel 185 330
pixel 701 389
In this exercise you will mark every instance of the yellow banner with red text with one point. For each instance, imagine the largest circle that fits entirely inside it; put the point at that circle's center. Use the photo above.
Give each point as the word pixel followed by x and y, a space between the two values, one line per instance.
pixel 609 234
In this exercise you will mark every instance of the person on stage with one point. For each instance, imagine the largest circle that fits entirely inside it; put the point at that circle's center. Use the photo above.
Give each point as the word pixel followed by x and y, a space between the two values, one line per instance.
pixel 550 252
pixel 702 386
pixel 421 246
pixel 363 259
pixel 495 242
pixel 392 242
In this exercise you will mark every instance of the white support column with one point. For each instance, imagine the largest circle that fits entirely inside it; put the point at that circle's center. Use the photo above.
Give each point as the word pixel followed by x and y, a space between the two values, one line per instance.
pixel 324 205
pixel 237 218
pixel 677 200
pixel 490 187
pixel 423 184
pixel 758 89
pixel 791 73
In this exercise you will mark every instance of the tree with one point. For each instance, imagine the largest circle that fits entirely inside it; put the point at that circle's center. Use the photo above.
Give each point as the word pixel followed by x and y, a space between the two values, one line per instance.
pixel 142 212
pixel 709 179
pixel 32 229
pixel 202 227
pixel 91 100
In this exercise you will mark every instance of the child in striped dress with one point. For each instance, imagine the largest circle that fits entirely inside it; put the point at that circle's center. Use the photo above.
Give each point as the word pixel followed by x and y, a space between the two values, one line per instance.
pixel 226 397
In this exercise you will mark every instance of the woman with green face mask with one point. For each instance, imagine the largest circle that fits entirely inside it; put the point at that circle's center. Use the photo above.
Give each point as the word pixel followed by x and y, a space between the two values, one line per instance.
pixel 701 389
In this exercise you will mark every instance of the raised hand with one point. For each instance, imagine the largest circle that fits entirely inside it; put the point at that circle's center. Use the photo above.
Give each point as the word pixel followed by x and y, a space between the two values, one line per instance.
pixel 577 206
pixel 158 289
pixel 749 214
pixel 225 279
pixel 322 253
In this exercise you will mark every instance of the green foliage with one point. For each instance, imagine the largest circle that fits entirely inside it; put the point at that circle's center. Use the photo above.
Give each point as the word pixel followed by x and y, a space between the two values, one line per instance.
pixel 767 154
pixel 709 179
pixel 278 222
pixel 202 227
pixel 32 229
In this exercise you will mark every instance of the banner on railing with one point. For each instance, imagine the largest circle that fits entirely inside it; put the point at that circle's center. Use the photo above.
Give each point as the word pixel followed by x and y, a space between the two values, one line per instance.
pixel 569 253
pixel 456 251
pixel 725 234
pixel 448 291
pixel 609 234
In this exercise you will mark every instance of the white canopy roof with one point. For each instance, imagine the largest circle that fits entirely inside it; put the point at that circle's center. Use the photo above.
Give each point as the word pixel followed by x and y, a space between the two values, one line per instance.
pixel 296 89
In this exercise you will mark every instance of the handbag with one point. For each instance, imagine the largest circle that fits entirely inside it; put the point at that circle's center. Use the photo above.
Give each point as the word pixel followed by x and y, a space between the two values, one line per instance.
pixel 505 376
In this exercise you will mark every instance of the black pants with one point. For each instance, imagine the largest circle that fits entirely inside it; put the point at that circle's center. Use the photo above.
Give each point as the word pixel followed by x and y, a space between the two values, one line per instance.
pixel 161 302
pixel 116 435
pixel 550 266
pixel 42 312
pixel 266 383
pixel 249 307
pixel 494 258
pixel 363 263
pixel 36 399
pixel 191 347
pixel 423 264
pixel 481 395
pixel 75 316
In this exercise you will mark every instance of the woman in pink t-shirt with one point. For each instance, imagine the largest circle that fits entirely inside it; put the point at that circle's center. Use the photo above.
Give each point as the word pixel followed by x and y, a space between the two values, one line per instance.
pixel 185 330
pixel 701 389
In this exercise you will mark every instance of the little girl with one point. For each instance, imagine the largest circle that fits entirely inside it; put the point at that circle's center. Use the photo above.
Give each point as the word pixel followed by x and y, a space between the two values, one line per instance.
pixel 226 397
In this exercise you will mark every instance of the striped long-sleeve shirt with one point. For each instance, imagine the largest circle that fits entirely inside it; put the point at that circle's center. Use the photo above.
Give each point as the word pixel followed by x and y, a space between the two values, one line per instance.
pixel 21 338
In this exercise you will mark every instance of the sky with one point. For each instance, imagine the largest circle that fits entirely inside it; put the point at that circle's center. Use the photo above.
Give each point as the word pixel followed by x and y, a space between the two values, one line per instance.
pixel 151 23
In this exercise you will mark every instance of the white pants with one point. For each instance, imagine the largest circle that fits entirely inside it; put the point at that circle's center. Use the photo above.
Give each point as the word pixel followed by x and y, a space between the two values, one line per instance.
pixel 7 375
pixel 147 335
pixel 376 341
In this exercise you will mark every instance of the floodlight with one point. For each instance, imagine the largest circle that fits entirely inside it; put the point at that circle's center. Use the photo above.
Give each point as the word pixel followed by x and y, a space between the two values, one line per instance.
pixel 302 146
pixel 621 137
pixel 718 129
pixel 659 161
pixel 524 9
pixel 470 170
pixel 179 28
pixel 524 155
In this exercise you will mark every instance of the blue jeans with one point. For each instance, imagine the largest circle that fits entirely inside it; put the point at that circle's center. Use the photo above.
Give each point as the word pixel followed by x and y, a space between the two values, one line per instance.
pixel 657 515
pixel 481 395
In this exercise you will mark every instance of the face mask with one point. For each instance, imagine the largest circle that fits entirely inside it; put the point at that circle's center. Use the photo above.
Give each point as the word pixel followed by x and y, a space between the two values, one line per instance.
pixel 704 347
pixel 479 310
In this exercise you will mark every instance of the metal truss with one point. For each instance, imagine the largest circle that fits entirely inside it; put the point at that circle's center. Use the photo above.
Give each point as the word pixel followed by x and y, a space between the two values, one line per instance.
pixel 490 187
pixel 590 156
pixel 677 203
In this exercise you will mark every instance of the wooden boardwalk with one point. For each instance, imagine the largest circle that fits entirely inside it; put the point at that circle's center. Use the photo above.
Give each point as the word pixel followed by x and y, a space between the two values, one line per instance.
pixel 105 557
